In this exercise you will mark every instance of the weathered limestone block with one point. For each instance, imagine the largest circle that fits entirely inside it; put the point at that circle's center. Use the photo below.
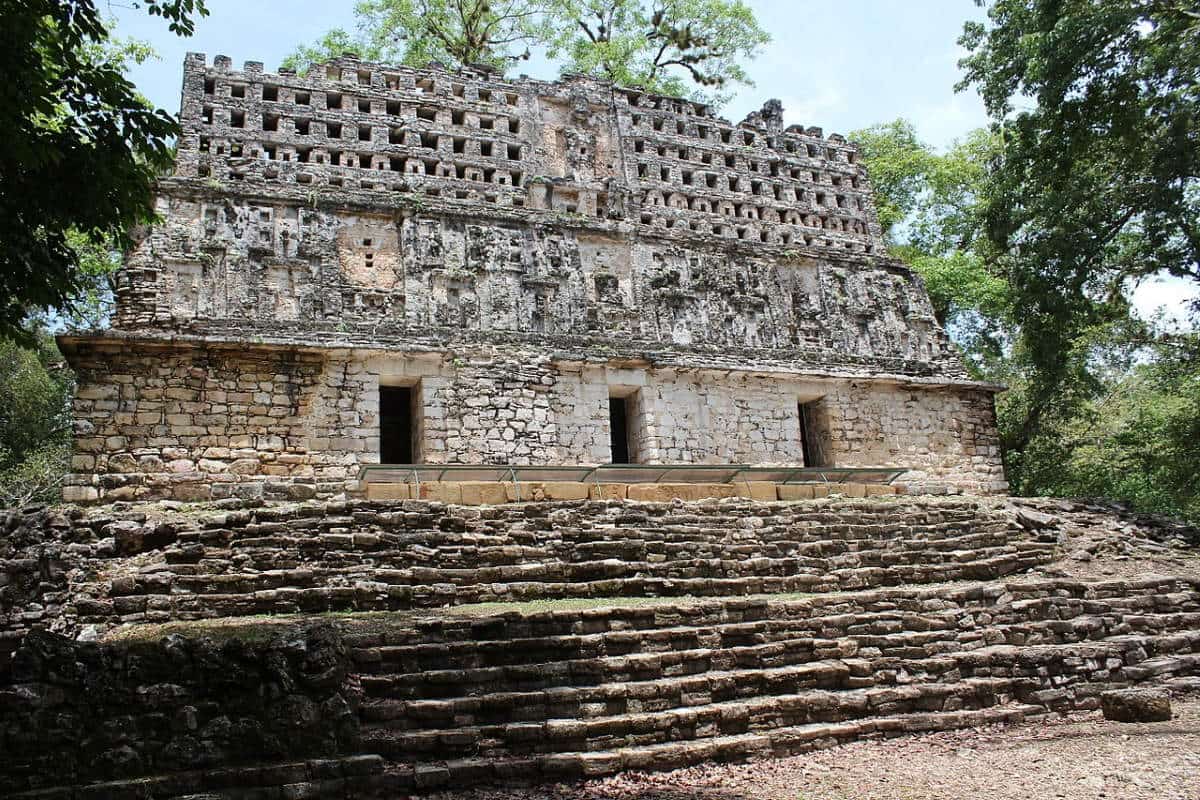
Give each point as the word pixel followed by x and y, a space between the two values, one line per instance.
pixel 665 492
pixel 1136 705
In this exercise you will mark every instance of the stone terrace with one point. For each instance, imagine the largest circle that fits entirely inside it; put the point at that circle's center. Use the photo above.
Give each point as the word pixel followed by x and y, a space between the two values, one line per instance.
pixel 545 640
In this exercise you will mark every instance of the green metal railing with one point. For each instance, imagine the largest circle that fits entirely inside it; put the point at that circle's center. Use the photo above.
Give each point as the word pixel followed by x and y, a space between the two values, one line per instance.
pixel 623 473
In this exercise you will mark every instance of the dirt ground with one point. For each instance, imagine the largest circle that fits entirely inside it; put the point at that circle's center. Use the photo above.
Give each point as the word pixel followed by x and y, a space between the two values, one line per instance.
pixel 1079 757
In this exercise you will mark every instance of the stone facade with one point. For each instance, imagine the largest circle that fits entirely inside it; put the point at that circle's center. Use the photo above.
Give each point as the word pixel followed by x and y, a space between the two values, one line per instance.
pixel 515 254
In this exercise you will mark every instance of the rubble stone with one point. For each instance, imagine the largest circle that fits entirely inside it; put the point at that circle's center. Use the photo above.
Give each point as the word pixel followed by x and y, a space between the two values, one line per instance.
pixel 1136 705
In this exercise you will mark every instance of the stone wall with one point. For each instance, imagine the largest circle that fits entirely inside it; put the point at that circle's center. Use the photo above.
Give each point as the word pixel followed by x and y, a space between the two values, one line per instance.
pixel 351 198
pixel 217 260
pixel 388 704
pixel 128 710
pixel 198 422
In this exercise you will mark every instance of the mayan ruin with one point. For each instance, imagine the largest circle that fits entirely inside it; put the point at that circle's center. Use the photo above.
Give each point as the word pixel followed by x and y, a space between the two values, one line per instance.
pixel 371 265
pixel 456 432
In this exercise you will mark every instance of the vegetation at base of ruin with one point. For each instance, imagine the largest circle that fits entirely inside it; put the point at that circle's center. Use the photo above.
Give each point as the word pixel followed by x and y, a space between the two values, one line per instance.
pixel 36 385
pixel 693 48
pixel 35 420
pixel 80 148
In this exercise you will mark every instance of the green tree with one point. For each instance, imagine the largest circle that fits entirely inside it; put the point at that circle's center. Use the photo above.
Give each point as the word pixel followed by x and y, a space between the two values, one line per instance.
pixel 415 32
pixel 1119 415
pixel 80 150
pixel 930 206
pixel 1095 186
pixel 1097 103
pixel 678 47
pixel 681 47
pixel 35 419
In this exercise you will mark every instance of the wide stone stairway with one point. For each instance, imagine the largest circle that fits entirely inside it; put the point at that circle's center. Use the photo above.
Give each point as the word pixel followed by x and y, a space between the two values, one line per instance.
pixel 365 557
pixel 563 694
pixel 368 649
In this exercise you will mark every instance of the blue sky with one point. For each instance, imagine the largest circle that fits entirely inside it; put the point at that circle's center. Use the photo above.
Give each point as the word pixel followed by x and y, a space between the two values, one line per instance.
pixel 839 65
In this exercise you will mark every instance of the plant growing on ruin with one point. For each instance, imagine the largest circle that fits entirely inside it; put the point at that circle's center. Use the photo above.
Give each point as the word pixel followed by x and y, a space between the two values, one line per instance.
pixel 691 48
pixel 80 151
pixel 491 33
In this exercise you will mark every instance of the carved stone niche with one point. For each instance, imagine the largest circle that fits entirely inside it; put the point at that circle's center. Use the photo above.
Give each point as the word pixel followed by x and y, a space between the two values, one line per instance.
pixel 368 250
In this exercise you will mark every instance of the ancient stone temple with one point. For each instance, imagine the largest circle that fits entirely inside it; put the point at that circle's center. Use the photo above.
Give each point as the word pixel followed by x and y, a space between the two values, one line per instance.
pixel 371 264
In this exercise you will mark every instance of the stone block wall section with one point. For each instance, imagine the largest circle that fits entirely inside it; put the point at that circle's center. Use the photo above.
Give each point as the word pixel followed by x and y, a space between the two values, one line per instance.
pixel 192 654
pixel 263 222
pixel 133 564
pixel 475 136
pixel 206 422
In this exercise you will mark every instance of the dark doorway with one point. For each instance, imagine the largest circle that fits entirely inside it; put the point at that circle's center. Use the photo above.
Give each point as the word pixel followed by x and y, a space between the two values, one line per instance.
pixel 618 428
pixel 396 425
pixel 810 447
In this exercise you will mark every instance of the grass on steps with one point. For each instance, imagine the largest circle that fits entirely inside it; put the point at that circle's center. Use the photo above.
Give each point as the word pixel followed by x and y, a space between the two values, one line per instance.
pixel 260 628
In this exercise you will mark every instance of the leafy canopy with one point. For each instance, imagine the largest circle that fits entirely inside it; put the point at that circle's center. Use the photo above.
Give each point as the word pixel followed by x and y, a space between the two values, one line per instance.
pixel 929 205
pixel 683 47
pixel 80 148
pixel 1097 103
pixel 677 47
pixel 1118 417
pixel 491 33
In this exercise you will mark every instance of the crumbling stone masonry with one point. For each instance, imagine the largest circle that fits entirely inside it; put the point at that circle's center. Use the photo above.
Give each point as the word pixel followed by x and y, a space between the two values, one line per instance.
pixel 487 271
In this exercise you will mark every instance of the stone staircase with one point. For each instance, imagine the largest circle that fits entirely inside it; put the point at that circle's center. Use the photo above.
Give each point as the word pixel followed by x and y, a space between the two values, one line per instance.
pixel 547 640
pixel 372 557
pixel 566 694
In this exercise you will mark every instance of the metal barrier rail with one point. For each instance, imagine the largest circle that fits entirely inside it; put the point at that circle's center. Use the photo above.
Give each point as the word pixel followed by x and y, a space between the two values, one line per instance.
pixel 623 473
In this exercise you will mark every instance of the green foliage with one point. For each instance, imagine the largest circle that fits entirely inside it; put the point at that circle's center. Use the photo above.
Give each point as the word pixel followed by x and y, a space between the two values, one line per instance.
pixel 35 420
pixel 1096 184
pixel 681 47
pixel 1118 415
pixel 80 148
pixel 1096 102
pixel 1137 439
pixel 416 32
pixel 676 47
pixel 335 43
pixel 929 204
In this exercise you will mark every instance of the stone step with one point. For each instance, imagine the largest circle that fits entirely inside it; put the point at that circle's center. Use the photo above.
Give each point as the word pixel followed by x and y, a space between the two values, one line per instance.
pixel 707 721
pixel 883 633
pixel 568 702
pixel 1151 594
pixel 754 670
pixel 513 547
pixel 1054 677
pixel 516 587
pixel 426 776
pixel 554 571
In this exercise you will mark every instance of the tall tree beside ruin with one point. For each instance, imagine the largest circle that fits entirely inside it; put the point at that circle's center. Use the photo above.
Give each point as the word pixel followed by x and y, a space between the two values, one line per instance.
pixel 1123 421
pixel 456 33
pixel 80 148
pixel 693 48
pixel 1097 103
